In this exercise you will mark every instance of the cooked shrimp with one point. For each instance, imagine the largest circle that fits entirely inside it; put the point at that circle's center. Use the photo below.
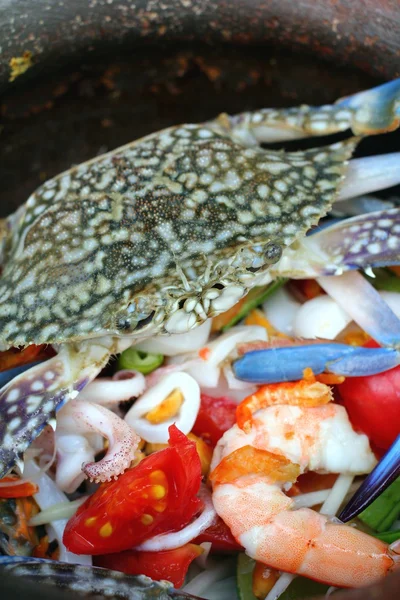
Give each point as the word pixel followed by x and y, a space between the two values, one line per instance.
pixel 295 429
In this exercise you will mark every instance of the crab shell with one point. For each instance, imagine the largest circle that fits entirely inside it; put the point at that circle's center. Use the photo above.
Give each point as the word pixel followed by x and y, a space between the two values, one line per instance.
pixel 158 235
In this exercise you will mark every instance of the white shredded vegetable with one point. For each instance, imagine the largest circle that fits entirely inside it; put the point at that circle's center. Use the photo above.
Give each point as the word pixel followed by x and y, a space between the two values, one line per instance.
pixel 63 510
pixel 338 493
pixel 202 583
pixel 6 484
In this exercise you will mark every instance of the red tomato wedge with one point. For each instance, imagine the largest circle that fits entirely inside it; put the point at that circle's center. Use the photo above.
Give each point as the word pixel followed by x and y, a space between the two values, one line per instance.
pixel 373 404
pixel 216 415
pixel 11 488
pixel 157 496
pixel 171 565
pixel 220 537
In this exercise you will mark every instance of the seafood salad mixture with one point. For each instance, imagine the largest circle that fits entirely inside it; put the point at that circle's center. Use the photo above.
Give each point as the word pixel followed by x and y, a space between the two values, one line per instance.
pixel 249 301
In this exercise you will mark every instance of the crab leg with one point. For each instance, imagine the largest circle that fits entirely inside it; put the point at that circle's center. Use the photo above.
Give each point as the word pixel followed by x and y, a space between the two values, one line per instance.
pixel 364 304
pixel 365 113
pixel 31 399
pixel 370 174
pixel 369 240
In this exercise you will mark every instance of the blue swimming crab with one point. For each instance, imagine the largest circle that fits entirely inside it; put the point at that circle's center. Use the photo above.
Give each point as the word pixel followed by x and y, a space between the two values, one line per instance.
pixel 170 230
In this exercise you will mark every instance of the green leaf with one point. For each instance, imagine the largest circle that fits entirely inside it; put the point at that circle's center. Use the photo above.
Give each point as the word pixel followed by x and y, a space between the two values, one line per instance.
pixel 384 511
pixel 302 588
pixel 254 298
pixel 244 577
pixel 139 361
pixel 388 536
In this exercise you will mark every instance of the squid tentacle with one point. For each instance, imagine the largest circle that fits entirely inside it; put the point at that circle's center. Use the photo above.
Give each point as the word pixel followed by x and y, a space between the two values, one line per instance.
pixel 31 399
pixel 80 419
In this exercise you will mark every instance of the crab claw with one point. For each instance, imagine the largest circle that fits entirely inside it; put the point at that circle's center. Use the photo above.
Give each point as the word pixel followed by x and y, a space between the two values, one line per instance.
pixel 385 472
pixel 31 399
pixel 376 110
pixel 366 113
pixel 274 365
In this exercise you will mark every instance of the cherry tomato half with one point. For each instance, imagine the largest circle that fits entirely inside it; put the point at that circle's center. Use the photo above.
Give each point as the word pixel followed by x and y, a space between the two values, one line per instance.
pixel 171 565
pixel 157 496
pixel 216 415
pixel 373 404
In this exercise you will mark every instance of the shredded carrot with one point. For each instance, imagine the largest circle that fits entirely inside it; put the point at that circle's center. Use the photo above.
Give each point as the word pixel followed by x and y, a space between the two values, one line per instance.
pixel 263 580
pixel 25 509
pixel 14 357
pixel 308 375
pixel 356 338
pixel 16 490
pixel 325 378
pixel 330 378
pixel 309 288
pixel 220 321
pixel 257 317
pixel 41 550
pixel 395 269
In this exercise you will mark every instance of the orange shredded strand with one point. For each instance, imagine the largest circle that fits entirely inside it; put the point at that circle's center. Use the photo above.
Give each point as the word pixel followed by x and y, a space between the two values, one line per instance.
pixel 294 393
pixel 14 357
pixel 395 269
pixel 25 509
pixel 263 580
pixel 257 317
pixel 330 378
pixel 17 491
pixel 310 288
pixel 252 460
pixel 220 321
pixel 41 550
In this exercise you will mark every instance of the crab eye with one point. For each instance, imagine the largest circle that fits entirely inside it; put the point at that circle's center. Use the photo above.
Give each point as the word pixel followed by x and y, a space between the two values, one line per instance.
pixel 272 253
pixel 143 322
pixel 123 324
pixel 126 324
